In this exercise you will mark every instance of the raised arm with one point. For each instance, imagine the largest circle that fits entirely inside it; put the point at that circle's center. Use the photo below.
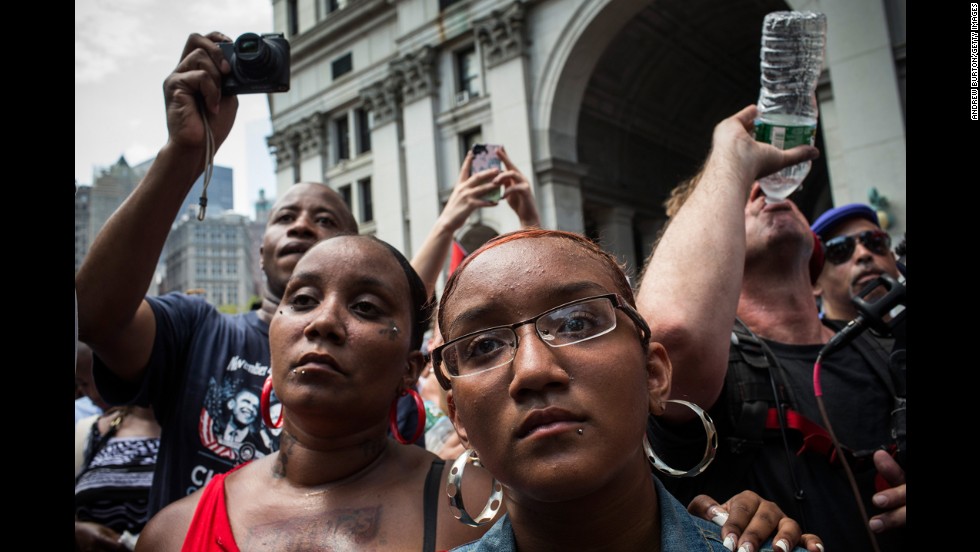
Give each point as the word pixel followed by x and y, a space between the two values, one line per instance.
pixel 690 290
pixel 112 315
pixel 467 197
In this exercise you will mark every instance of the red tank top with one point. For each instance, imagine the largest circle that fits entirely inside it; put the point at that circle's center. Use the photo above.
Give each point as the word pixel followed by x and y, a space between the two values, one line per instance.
pixel 210 529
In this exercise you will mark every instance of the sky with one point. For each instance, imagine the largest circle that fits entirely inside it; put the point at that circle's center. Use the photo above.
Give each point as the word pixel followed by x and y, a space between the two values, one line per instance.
pixel 124 49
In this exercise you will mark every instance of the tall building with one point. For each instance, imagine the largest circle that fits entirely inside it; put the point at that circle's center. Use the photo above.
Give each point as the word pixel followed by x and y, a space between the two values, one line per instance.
pixel 604 104
pixel 221 190
pixel 82 220
pixel 112 185
pixel 212 257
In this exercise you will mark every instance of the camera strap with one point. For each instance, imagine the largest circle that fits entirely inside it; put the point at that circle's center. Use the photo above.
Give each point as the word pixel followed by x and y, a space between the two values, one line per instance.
pixel 209 148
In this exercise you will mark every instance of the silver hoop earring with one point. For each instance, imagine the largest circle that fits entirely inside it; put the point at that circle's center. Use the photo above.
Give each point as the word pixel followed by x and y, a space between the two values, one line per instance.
pixel 709 450
pixel 454 490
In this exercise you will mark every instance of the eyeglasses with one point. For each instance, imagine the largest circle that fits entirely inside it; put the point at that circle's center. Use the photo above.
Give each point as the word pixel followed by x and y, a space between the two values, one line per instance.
pixel 564 325
pixel 839 250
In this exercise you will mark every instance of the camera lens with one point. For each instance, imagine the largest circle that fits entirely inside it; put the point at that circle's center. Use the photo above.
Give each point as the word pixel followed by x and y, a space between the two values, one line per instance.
pixel 255 60
pixel 248 46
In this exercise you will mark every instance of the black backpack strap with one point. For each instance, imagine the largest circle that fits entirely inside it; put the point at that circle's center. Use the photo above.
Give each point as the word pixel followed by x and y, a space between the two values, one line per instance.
pixel 430 504
pixel 750 390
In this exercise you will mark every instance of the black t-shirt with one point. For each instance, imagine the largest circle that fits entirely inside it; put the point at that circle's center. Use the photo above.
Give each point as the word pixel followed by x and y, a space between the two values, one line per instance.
pixel 859 405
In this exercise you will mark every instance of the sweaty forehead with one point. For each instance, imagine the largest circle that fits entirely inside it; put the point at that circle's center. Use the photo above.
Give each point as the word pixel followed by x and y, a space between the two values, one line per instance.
pixel 523 277
pixel 352 255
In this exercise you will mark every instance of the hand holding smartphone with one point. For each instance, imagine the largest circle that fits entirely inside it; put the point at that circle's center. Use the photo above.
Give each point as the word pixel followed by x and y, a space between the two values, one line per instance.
pixel 485 157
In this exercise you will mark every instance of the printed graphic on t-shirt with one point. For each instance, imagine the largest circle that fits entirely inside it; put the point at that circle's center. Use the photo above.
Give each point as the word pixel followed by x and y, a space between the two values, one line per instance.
pixel 231 425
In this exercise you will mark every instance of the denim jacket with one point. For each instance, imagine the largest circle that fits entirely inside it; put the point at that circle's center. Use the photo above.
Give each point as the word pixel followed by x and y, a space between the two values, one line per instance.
pixel 679 531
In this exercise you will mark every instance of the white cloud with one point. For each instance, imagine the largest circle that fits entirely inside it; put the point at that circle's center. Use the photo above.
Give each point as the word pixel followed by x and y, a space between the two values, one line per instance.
pixel 230 14
pixel 108 33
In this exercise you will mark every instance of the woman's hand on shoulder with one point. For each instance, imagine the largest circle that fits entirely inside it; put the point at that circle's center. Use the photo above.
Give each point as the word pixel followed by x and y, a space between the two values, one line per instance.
pixel 747 520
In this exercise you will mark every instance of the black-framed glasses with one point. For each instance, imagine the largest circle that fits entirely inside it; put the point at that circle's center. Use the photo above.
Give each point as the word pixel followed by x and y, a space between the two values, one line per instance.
pixel 564 325
pixel 839 250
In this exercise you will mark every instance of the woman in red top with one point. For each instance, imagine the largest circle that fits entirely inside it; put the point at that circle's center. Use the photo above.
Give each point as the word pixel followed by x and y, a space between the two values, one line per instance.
pixel 344 346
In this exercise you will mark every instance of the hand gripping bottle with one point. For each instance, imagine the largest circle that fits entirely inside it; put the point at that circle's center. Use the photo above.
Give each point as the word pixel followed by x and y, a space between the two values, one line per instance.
pixel 791 56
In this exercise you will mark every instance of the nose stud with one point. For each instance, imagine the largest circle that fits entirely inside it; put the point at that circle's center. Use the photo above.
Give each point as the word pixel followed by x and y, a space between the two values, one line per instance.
pixel 580 431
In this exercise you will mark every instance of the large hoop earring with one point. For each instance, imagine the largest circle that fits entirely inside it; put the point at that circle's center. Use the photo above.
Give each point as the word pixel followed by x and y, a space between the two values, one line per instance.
pixel 709 450
pixel 454 484
pixel 264 405
pixel 393 417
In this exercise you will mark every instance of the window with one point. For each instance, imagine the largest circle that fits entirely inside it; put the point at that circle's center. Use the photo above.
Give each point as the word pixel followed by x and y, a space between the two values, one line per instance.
pixel 367 204
pixel 469 138
pixel 467 74
pixel 342 132
pixel 346 194
pixel 363 122
pixel 292 17
pixel 341 66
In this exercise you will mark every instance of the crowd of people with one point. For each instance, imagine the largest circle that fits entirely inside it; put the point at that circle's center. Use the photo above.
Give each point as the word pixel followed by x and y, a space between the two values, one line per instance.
pixel 297 425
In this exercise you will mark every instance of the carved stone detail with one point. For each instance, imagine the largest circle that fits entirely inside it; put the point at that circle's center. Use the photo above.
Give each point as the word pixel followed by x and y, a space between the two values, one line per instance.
pixel 280 149
pixel 415 72
pixel 312 134
pixel 381 98
pixel 501 34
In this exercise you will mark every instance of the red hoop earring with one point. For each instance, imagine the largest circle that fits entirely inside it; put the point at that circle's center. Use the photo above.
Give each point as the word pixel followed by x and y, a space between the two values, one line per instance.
pixel 393 418
pixel 265 406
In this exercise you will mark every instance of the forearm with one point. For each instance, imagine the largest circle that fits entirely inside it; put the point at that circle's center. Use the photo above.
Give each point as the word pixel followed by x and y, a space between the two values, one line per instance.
pixel 431 257
pixel 690 291
pixel 120 264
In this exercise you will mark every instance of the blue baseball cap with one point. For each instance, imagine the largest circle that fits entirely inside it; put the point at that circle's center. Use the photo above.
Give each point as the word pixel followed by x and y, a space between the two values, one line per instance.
pixel 827 221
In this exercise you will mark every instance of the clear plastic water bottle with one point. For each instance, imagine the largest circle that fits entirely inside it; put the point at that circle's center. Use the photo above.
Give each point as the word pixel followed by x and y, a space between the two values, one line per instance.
pixel 791 57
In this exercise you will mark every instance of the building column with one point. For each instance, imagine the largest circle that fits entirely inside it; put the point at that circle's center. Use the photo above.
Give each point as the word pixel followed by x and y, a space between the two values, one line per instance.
pixel 616 236
pixel 284 146
pixel 390 192
pixel 863 122
pixel 501 37
pixel 648 229
pixel 415 72
pixel 312 148
pixel 559 194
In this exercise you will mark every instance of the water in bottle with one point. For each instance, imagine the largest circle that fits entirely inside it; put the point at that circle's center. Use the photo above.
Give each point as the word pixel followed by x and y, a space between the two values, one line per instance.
pixel 791 58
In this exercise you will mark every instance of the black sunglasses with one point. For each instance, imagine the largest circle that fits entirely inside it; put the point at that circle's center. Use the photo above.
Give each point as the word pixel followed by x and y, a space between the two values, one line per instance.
pixel 839 250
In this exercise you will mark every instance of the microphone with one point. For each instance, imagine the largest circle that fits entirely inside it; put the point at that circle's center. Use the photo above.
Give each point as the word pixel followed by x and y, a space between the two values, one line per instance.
pixel 876 313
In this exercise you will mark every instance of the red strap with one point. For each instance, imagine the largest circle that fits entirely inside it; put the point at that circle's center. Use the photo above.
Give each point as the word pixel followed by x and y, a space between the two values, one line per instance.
pixel 815 438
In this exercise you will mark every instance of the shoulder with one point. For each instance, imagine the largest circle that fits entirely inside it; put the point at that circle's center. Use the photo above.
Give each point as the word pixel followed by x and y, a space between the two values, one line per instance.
pixel 168 528
pixel 476 481
pixel 499 538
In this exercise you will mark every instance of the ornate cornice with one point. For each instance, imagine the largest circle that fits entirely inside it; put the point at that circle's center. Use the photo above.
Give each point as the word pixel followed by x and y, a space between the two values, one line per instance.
pixel 501 34
pixel 381 98
pixel 415 72
pixel 312 134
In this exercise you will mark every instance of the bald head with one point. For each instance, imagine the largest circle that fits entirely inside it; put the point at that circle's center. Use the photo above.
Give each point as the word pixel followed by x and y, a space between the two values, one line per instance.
pixel 306 214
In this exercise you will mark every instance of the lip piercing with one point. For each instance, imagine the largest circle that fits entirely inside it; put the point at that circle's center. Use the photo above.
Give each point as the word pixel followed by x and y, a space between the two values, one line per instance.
pixel 580 431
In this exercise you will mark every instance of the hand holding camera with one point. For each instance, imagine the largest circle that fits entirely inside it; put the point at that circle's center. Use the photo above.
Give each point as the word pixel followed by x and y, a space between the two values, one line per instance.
pixel 197 80
pixel 212 70
pixel 259 63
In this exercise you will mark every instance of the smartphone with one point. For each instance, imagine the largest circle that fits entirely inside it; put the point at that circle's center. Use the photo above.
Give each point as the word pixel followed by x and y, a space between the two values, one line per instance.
pixel 485 157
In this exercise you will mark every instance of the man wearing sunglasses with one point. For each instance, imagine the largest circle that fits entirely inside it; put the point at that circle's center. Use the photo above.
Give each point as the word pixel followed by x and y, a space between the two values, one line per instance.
pixel 856 251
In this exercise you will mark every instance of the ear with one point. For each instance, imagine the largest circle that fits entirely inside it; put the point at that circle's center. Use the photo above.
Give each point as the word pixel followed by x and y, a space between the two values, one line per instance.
pixel 817 289
pixel 414 363
pixel 659 371
pixel 454 418
pixel 261 258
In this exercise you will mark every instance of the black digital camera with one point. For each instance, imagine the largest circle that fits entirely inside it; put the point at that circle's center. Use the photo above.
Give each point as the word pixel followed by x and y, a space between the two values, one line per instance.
pixel 259 64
